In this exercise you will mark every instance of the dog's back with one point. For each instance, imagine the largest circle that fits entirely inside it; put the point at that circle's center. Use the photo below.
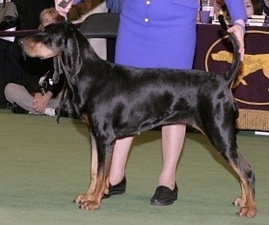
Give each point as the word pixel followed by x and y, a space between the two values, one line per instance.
pixel 129 74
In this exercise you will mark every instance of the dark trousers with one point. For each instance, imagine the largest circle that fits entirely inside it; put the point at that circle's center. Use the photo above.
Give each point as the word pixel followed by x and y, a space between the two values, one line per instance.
pixel 11 66
pixel 110 48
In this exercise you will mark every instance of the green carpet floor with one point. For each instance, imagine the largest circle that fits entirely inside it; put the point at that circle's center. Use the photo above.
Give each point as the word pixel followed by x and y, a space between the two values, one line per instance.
pixel 43 166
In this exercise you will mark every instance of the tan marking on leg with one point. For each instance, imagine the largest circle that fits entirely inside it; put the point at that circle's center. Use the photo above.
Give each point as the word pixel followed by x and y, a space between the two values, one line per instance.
pixel 93 177
pixel 94 160
pixel 241 201
pixel 84 118
pixel 246 202
pixel 99 182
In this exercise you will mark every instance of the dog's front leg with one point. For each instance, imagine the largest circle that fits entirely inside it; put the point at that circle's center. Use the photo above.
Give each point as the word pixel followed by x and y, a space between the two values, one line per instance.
pixel 99 181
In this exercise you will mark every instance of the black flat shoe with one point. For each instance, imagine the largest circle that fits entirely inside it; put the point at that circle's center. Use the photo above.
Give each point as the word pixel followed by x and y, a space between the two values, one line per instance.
pixel 17 109
pixel 164 196
pixel 63 111
pixel 116 189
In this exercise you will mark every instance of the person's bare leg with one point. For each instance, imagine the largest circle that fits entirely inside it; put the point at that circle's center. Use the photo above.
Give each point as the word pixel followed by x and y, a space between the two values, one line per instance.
pixel 172 142
pixel 119 159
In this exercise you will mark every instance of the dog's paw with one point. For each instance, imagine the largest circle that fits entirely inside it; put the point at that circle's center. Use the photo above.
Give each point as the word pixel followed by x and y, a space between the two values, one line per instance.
pixel 241 202
pixel 86 202
pixel 249 212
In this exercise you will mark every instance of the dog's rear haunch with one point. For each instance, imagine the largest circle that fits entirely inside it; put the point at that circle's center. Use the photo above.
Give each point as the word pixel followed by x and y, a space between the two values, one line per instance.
pixel 116 101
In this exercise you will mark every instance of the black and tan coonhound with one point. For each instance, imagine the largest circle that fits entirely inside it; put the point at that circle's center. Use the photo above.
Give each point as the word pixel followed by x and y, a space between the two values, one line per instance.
pixel 116 101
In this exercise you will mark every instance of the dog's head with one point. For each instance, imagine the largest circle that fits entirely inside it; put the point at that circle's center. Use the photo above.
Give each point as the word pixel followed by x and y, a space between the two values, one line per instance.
pixel 58 40
pixel 49 42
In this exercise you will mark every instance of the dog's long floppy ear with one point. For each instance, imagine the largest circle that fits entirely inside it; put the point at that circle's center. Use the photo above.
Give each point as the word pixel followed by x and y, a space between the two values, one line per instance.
pixel 57 69
pixel 71 59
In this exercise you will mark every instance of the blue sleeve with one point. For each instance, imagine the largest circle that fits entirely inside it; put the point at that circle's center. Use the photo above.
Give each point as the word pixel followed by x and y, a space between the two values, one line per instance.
pixel 109 4
pixel 76 2
pixel 236 9
pixel 114 5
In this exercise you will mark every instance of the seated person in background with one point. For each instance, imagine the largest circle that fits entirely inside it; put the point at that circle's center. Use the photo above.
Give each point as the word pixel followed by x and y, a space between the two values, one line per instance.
pixel 48 16
pixel 12 61
pixel 39 95
pixel 253 7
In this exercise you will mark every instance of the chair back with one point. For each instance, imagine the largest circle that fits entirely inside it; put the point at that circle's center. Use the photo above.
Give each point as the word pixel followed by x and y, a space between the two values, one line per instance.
pixel 100 25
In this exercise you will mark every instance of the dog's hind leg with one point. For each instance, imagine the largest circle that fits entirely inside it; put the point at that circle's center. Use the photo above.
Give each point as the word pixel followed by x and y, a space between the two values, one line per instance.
pixel 99 181
pixel 247 181
pixel 224 139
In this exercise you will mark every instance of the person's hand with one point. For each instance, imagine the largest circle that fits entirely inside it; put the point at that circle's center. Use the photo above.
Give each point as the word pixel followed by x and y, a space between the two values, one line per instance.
pixel 238 29
pixel 63 10
pixel 41 101
pixel 37 95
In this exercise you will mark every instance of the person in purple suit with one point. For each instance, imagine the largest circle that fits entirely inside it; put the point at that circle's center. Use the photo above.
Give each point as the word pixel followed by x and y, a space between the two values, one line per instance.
pixel 154 34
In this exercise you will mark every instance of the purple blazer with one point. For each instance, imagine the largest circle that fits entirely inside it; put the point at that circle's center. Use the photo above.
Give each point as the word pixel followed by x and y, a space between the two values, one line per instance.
pixel 162 33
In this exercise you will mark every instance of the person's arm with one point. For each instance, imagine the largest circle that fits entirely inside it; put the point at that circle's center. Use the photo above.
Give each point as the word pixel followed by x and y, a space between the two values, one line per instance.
pixel 63 6
pixel 114 6
pixel 238 15
pixel 238 29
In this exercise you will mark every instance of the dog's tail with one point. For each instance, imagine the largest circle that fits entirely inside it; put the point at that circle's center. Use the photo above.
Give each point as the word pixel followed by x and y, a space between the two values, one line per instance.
pixel 231 74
